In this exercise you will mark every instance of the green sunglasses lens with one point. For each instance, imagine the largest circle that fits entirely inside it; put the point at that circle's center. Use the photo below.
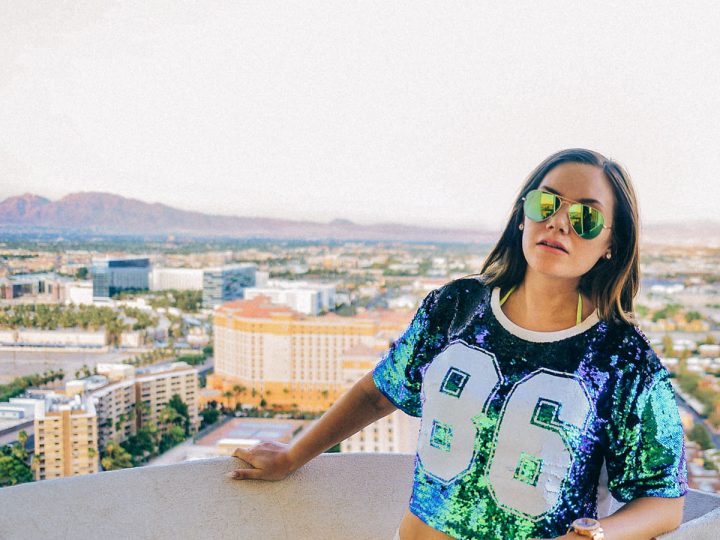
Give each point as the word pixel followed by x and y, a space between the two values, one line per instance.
pixel 586 220
pixel 540 205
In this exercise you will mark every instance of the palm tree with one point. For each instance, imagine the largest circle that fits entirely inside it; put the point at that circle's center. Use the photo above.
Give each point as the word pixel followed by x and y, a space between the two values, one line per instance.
pixel 227 395
pixel 22 438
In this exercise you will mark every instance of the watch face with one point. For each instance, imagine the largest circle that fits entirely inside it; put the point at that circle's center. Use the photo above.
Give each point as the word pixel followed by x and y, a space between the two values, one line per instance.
pixel 585 524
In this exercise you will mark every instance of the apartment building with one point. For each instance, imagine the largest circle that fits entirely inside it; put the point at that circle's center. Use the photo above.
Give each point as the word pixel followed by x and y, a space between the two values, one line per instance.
pixel 115 408
pixel 66 436
pixel 121 390
pixel 155 386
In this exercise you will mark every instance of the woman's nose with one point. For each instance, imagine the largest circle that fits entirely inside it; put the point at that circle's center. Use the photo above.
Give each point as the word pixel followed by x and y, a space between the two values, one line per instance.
pixel 561 218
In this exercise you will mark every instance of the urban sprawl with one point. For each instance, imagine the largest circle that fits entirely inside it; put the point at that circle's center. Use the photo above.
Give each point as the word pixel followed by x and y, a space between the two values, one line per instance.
pixel 119 354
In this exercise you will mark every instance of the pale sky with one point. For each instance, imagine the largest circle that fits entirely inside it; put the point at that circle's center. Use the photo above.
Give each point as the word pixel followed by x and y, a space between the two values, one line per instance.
pixel 426 113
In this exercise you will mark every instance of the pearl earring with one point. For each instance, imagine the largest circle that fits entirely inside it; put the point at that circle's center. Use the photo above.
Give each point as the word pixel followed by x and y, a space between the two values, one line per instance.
pixel 608 255
pixel 521 227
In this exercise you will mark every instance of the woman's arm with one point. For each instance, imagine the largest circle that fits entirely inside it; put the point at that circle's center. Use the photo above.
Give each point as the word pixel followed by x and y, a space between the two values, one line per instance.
pixel 641 519
pixel 358 407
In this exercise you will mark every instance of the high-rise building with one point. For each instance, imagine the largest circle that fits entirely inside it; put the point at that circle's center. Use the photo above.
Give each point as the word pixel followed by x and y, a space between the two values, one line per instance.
pixel 66 436
pixel 225 283
pixel 268 351
pixel 111 276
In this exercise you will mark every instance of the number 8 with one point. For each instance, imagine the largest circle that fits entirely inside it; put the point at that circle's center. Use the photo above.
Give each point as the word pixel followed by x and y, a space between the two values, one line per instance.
pixel 547 407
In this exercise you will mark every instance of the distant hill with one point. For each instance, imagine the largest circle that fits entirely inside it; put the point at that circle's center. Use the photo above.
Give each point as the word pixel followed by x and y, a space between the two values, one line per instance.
pixel 106 213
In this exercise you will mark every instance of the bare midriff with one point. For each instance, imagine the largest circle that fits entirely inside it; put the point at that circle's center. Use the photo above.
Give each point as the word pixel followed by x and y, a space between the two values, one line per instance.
pixel 413 528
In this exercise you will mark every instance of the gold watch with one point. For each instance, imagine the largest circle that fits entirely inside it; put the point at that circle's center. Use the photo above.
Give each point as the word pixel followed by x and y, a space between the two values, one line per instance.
pixel 588 527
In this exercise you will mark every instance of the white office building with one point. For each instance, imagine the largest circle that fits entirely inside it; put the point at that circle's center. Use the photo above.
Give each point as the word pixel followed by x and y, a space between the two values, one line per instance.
pixel 181 279
pixel 301 296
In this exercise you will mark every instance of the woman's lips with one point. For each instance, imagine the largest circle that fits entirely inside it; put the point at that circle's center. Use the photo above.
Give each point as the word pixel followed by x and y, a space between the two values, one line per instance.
pixel 551 249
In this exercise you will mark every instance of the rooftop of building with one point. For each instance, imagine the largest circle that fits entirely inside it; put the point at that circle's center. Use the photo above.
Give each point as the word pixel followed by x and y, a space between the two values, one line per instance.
pixel 55 403
pixel 266 429
pixel 230 267
pixel 166 367
pixel 33 277
pixel 262 307
pixel 350 496
pixel 259 307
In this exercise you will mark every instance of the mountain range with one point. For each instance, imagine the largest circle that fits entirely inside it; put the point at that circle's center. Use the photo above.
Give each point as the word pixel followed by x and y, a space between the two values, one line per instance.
pixel 110 214
pixel 106 213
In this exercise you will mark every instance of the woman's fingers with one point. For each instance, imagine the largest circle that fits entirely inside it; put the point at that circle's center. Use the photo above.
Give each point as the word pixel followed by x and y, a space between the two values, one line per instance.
pixel 268 461
pixel 242 474
pixel 241 453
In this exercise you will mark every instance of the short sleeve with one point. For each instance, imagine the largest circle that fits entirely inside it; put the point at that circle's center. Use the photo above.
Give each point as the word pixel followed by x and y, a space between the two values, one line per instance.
pixel 398 375
pixel 646 447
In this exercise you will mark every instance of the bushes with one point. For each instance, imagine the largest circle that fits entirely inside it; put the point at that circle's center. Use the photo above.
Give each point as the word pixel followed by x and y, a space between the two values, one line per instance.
pixel 18 385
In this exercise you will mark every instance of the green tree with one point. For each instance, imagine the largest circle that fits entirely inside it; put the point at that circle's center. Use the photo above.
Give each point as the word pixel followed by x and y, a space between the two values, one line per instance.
pixel 142 445
pixel 14 468
pixel 13 471
pixel 209 416
pixel 115 457
pixel 173 437
pixel 700 435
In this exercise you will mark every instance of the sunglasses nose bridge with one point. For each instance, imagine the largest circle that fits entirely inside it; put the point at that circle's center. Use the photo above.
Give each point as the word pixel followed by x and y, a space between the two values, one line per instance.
pixel 557 212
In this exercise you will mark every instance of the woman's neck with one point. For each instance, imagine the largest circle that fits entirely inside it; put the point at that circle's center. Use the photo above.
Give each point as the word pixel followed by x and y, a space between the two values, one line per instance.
pixel 545 304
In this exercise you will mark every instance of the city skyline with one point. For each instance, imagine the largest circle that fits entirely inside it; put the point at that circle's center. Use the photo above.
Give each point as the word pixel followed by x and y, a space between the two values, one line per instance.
pixel 345 111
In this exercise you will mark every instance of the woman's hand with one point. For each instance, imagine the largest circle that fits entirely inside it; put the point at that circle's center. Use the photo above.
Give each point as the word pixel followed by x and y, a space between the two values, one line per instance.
pixel 270 461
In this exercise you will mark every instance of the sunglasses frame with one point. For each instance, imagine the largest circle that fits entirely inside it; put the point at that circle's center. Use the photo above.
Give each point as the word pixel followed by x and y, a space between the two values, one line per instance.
pixel 570 203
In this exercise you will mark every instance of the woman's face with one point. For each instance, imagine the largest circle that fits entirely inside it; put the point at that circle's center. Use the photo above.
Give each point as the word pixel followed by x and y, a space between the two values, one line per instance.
pixel 574 181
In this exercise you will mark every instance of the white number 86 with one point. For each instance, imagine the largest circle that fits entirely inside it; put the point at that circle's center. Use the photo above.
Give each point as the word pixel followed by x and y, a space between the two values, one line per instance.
pixel 530 457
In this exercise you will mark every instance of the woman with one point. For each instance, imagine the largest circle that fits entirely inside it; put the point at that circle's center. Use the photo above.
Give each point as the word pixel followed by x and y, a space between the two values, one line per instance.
pixel 532 380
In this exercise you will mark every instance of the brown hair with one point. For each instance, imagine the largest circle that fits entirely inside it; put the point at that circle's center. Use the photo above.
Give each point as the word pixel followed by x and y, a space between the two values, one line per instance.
pixel 612 283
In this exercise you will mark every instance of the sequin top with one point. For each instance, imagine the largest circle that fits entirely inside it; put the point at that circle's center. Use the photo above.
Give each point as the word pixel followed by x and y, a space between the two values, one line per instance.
pixel 516 425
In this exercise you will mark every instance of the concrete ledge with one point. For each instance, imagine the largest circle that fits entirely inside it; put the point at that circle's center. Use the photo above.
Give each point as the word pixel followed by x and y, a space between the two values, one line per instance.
pixel 351 496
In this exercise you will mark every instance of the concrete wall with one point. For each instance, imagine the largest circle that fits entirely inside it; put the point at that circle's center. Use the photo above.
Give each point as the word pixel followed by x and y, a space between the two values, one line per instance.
pixel 334 497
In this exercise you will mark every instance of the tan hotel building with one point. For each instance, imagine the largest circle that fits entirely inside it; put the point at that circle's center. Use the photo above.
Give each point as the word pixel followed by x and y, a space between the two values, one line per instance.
pixel 396 432
pixel 269 351
pixel 65 436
